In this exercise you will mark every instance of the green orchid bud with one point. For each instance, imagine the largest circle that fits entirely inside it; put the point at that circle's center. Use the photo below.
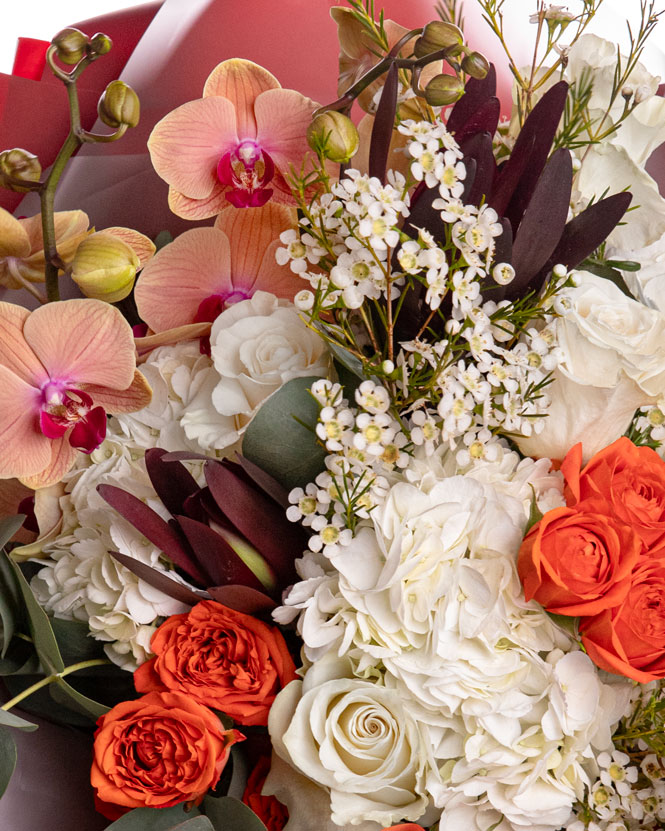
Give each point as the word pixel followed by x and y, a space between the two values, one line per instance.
pixel 475 65
pixel 334 135
pixel 118 105
pixel 104 267
pixel 443 90
pixel 439 35
pixel 71 45
pixel 19 164
pixel 99 44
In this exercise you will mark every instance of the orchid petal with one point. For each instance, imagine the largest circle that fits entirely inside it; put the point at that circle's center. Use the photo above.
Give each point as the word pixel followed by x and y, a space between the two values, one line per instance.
pixel 169 336
pixel 240 81
pixel 282 118
pixel 277 279
pixel 196 265
pixel 49 516
pixel 86 341
pixel 186 145
pixel 142 246
pixel 71 227
pixel 12 493
pixel 260 225
pixel 137 396
pixel 195 209
pixel 15 353
pixel 25 451
pixel 62 457
pixel 14 241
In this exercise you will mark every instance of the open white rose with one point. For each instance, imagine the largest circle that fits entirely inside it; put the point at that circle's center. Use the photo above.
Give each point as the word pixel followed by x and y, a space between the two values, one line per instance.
pixel 612 361
pixel 360 742
pixel 258 345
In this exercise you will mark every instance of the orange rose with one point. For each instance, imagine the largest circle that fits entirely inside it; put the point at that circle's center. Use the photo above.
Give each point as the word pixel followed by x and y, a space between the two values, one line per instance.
pixel 221 658
pixel 157 751
pixel 268 809
pixel 577 561
pixel 630 478
pixel 630 639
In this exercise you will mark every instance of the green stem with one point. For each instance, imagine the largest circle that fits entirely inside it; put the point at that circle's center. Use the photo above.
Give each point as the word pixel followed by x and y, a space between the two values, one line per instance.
pixel 94 662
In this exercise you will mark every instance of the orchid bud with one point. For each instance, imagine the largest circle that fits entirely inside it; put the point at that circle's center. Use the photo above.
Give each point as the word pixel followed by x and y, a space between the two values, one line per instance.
pixel 334 135
pixel 475 65
pixel 70 45
pixel 443 90
pixel 118 105
pixel 439 35
pixel 19 164
pixel 104 267
pixel 99 44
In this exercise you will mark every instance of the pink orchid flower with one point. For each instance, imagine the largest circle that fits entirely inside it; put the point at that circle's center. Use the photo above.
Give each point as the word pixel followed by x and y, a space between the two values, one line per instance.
pixel 235 146
pixel 62 368
pixel 204 270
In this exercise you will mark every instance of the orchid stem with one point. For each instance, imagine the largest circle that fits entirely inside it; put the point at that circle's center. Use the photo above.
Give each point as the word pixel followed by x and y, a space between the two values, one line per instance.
pixel 94 662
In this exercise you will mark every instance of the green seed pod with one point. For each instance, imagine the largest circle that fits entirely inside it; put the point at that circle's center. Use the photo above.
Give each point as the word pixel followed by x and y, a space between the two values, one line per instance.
pixel 99 44
pixel 19 164
pixel 71 45
pixel 439 35
pixel 118 105
pixel 443 90
pixel 475 65
pixel 334 135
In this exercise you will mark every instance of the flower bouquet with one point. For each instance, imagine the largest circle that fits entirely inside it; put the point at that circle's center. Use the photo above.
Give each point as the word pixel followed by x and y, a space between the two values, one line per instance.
pixel 348 511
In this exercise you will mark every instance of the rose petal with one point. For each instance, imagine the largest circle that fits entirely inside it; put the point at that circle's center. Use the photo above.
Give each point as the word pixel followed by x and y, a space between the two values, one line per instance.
pixel 14 241
pixel 187 144
pixel 282 117
pixel 240 81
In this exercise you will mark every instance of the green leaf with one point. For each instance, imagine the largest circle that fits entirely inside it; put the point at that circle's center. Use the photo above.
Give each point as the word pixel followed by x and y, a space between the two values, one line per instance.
pixel 10 604
pixel 40 627
pixel 63 693
pixel 279 444
pixel 155 819
pixel 20 659
pixel 75 642
pixel 566 622
pixel 10 719
pixel 229 814
pixel 195 824
pixel 611 274
pixel 535 514
pixel 9 526
pixel 163 238
pixel 7 758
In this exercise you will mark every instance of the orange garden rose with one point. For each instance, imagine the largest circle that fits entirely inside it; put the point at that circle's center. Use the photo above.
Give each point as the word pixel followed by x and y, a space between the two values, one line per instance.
pixel 268 809
pixel 630 639
pixel 221 658
pixel 578 561
pixel 631 478
pixel 157 751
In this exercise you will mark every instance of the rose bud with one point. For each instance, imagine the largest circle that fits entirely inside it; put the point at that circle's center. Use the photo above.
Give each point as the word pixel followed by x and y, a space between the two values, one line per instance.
pixel 439 35
pixel 334 136
pixel 104 267
pixel 443 90
pixel 70 45
pixel 118 105
pixel 475 65
pixel 99 44
pixel 19 164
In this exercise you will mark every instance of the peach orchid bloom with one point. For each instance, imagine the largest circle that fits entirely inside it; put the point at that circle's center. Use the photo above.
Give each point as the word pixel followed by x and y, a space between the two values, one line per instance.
pixel 22 246
pixel 235 146
pixel 202 271
pixel 62 368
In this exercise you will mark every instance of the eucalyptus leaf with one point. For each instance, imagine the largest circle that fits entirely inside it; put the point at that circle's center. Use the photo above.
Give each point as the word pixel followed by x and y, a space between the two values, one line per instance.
pixel 277 441
pixel 9 526
pixel 611 274
pixel 7 758
pixel 155 819
pixel 41 703
pixel 63 693
pixel 10 605
pixel 163 238
pixel 229 814
pixel 9 719
pixel 195 824
pixel 75 642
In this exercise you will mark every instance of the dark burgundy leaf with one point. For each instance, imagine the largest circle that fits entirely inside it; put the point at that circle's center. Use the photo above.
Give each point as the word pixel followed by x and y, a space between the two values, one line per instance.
pixel 484 120
pixel 503 253
pixel 158 580
pixel 258 519
pixel 217 557
pixel 172 481
pixel 543 222
pixel 185 456
pixel 476 93
pixel 153 527
pixel 423 215
pixel 384 123
pixel 242 599
pixel 264 481
pixel 478 149
pixel 519 175
pixel 471 166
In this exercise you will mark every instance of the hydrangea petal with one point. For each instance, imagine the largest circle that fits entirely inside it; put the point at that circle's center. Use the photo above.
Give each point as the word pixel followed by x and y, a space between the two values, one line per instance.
pixel 194 266
pixel 25 451
pixel 62 457
pixel 195 209
pixel 14 241
pixel 240 81
pixel 187 144
pixel 137 396
pixel 83 341
pixel 282 118
pixel 15 354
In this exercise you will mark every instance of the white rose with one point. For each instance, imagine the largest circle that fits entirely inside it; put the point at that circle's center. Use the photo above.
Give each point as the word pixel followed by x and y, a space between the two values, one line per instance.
pixel 358 741
pixel 612 361
pixel 258 345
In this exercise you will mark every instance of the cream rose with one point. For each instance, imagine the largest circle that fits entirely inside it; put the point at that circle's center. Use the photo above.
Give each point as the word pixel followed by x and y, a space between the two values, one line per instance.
pixel 611 361
pixel 357 740
pixel 258 345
